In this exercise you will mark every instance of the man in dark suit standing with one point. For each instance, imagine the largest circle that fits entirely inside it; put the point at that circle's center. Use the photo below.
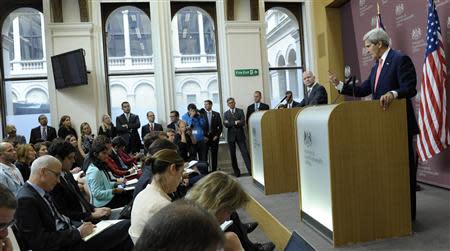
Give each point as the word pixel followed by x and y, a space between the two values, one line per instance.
pixel 234 120
pixel 127 126
pixel 213 129
pixel 290 102
pixel 392 77
pixel 174 118
pixel 315 93
pixel 43 227
pixel 43 132
pixel 151 126
pixel 256 106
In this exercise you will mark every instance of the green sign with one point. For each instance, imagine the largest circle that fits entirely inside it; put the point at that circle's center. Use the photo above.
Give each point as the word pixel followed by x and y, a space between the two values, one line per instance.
pixel 246 72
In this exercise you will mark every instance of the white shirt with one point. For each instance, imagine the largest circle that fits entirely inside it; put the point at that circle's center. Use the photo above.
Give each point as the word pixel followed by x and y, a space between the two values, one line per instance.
pixel 309 89
pixel 147 203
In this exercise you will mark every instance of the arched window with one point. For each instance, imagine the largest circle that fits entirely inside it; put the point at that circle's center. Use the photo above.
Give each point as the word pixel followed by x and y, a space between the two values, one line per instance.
pixel 24 65
pixel 128 43
pixel 284 48
pixel 194 45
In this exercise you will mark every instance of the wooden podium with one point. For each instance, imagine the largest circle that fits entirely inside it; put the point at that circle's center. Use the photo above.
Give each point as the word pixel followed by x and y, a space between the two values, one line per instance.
pixel 273 150
pixel 353 168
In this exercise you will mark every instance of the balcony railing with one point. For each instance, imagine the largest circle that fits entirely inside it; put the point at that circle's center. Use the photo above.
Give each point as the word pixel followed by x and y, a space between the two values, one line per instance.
pixel 26 67
pixel 195 60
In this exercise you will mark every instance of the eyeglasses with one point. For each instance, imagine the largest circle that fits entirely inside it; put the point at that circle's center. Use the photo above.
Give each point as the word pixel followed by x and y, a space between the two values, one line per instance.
pixel 57 174
pixel 3 226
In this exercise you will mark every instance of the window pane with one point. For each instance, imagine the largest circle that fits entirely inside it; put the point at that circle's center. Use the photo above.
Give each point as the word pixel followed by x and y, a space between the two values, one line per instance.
pixel 130 51
pixel 24 57
pixel 208 31
pixel 194 46
pixel 138 91
pixel 188 34
pixel 30 36
pixel 283 47
pixel 115 37
pixel 25 101
pixel 129 40
pixel 140 36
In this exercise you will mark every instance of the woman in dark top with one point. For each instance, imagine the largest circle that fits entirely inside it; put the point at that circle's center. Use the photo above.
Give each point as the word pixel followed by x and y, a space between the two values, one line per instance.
pixel 185 141
pixel 65 127
pixel 107 128
pixel 86 139
pixel 79 159
pixel 25 155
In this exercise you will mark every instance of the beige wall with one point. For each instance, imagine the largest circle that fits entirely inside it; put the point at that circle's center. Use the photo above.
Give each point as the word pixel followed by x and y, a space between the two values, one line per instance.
pixel 327 43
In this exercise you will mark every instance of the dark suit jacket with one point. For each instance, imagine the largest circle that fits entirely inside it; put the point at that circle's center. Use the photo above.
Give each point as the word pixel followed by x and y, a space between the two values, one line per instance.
pixel 216 125
pixel 294 104
pixel 146 129
pixel 69 200
pixel 251 109
pixel 172 125
pixel 130 134
pixel 235 132
pixel 318 96
pixel 36 223
pixel 35 135
pixel 398 74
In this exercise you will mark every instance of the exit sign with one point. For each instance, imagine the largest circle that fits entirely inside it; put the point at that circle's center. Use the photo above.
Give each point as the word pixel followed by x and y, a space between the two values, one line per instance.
pixel 246 72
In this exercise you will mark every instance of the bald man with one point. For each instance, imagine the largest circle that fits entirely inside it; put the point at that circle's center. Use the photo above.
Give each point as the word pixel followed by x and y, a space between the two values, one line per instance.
pixel 315 93
pixel 10 175
pixel 43 227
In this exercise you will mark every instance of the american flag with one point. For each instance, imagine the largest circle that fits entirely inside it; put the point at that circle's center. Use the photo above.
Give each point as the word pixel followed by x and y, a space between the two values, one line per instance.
pixel 379 23
pixel 434 134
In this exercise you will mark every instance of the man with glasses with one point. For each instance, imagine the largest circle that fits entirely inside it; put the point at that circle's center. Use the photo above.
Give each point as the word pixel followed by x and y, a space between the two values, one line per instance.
pixel 44 227
pixel 152 126
pixel 8 205
pixel 67 195
pixel 174 118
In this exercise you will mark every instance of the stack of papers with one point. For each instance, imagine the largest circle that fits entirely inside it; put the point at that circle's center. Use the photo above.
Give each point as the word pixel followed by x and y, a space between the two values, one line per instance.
pixel 99 227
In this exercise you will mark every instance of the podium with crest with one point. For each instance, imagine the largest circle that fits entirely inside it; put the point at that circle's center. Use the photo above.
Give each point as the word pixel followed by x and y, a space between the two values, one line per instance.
pixel 353 170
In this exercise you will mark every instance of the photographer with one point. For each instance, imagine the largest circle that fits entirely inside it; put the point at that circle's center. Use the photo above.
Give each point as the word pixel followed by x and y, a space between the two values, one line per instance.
pixel 197 124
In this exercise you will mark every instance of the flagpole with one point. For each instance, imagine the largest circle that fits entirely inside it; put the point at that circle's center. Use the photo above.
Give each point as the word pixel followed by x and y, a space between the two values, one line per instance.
pixel 378 8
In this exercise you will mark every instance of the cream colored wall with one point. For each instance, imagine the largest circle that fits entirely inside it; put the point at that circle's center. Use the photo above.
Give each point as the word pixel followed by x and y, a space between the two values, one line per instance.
pixel 241 45
pixel 327 44
pixel 82 102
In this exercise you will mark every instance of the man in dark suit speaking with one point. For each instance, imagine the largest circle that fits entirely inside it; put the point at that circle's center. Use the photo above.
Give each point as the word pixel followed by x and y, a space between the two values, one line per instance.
pixel 43 132
pixel 392 77
pixel 315 93
pixel 256 106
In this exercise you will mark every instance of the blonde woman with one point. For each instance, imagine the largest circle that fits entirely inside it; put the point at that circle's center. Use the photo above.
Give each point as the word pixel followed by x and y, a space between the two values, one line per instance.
pixel 86 138
pixel 12 136
pixel 107 128
pixel 167 168
pixel 25 155
pixel 221 195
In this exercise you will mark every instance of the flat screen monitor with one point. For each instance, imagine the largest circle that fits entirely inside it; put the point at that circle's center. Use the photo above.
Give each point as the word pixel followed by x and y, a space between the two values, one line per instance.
pixel 69 69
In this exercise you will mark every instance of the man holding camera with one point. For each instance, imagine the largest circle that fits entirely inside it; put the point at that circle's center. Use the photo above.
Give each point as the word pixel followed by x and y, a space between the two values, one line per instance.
pixel 197 124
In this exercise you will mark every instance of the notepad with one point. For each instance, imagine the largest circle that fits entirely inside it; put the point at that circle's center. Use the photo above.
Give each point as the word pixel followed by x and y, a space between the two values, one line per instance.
pixel 131 182
pixel 129 188
pixel 100 227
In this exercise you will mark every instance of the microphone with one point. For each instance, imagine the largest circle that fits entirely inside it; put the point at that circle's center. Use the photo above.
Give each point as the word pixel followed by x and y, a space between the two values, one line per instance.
pixel 285 97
